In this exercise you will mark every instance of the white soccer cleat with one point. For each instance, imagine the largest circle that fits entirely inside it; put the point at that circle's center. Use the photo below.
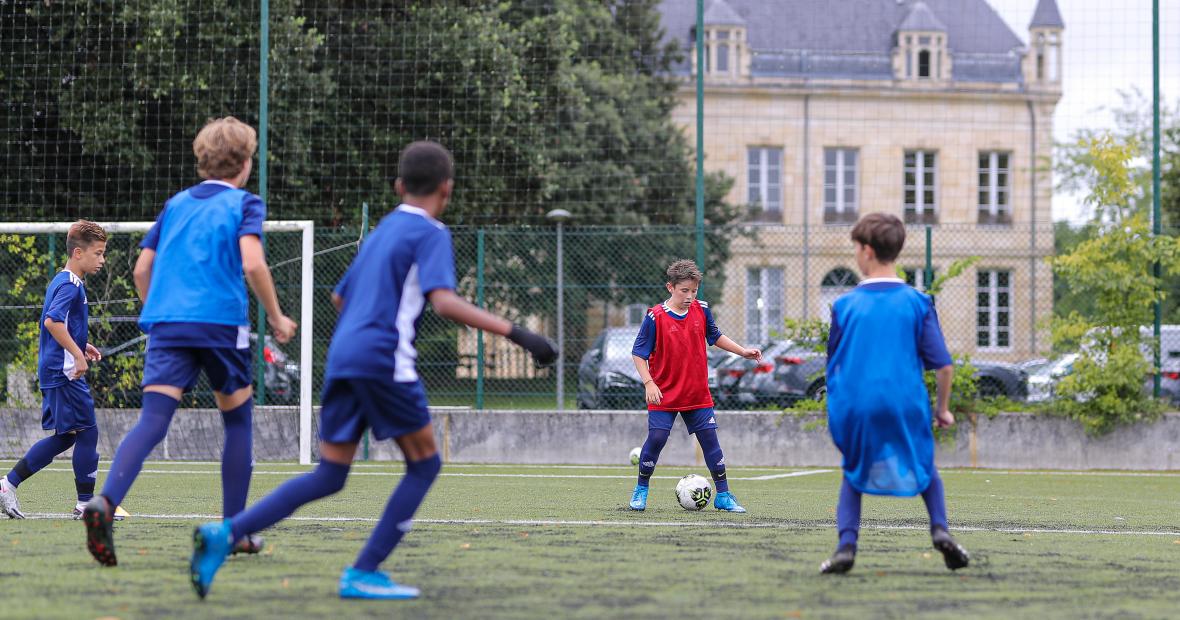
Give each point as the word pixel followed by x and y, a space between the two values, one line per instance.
pixel 9 504
pixel 121 514
pixel 79 508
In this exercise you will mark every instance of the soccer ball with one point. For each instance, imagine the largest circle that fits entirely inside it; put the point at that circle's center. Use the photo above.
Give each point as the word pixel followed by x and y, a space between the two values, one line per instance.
pixel 693 492
pixel 635 456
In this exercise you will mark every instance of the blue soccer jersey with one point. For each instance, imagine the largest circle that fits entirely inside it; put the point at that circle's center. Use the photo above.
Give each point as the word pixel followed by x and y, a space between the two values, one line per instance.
pixel 65 302
pixel 884 334
pixel 384 291
pixel 198 295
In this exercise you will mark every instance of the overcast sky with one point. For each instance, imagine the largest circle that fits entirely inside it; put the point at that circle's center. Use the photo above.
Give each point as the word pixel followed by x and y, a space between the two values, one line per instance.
pixel 1107 49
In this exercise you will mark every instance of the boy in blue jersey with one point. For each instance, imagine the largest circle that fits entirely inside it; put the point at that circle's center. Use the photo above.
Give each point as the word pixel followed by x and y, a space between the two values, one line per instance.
pixel 884 334
pixel 62 361
pixel 189 277
pixel 371 381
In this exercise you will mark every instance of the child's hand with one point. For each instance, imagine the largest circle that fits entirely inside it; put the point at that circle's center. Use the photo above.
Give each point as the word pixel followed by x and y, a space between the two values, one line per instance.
pixel 944 419
pixel 653 393
pixel 93 354
pixel 282 326
pixel 80 368
pixel 752 354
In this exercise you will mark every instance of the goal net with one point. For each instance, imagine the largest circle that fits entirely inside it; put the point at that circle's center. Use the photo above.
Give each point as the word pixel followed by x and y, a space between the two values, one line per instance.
pixel 31 253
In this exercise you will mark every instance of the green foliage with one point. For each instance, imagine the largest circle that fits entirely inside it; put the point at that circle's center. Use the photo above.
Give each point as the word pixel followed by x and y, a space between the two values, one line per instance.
pixel 1113 270
pixel 953 271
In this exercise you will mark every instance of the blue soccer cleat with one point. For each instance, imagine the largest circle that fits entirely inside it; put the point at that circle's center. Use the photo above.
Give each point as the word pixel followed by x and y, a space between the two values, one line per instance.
pixel 212 543
pixel 355 583
pixel 639 498
pixel 727 502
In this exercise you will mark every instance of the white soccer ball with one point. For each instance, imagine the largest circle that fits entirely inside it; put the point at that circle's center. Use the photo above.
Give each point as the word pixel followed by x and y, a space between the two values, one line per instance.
pixel 693 492
pixel 635 456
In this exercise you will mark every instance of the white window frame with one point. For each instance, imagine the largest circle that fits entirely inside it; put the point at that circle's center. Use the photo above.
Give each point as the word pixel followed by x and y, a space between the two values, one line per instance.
pixel 994 189
pixel 829 293
pixel 920 207
pixel 764 302
pixel 763 181
pixel 918 274
pixel 993 309
pixel 840 206
pixel 630 311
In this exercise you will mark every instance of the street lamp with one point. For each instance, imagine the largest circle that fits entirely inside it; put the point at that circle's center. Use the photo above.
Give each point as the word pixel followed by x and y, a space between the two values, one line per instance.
pixel 559 216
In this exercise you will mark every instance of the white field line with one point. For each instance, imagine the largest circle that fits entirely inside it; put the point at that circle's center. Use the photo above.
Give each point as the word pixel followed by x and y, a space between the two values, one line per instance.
pixel 213 472
pixel 399 464
pixel 678 524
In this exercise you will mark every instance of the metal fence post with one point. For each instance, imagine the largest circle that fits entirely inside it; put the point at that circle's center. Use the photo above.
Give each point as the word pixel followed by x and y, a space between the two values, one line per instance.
pixel 263 118
pixel 359 241
pixel 929 262
pixel 479 301
pixel 1157 229
pixel 700 210
pixel 560 216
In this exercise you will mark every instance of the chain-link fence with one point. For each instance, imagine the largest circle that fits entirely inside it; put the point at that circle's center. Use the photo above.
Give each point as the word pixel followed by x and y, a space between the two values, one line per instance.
pixel 972 117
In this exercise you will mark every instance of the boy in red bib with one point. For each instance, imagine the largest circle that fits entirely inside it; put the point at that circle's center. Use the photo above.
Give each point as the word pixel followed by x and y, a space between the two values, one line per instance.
pixel 669 354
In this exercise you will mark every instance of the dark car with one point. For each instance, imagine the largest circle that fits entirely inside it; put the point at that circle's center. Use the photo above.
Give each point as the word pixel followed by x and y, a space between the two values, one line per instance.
pixel 607 378
pixel 790 372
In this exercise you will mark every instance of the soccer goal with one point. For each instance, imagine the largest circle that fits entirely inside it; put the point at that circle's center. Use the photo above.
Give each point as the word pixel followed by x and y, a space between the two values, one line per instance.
pixel 31 252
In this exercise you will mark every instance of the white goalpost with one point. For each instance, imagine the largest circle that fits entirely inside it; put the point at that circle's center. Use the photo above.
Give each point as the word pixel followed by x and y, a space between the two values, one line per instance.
pixel 306 230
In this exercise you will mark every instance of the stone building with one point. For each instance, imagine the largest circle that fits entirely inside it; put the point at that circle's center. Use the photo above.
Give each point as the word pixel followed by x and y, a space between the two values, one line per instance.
pixel 933 110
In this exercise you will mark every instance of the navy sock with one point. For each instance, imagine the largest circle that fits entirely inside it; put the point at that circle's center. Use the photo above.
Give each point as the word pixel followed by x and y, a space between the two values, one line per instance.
pixel 935 499
pixel 714 459
pixel 399 511
pixel 848 515
pixel 138 444
pixel 237 457
pixel 38 456
pixel 85 463
pixel 327 478
pixel 649 455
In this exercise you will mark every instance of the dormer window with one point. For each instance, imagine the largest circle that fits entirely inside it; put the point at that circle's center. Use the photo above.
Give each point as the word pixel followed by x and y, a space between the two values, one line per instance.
pixel 924 63
pixel 725 54
pixel 922 50
pixel 1048 48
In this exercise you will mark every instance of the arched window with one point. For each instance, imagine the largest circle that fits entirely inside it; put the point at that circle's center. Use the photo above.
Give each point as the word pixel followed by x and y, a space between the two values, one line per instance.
pixel 835 283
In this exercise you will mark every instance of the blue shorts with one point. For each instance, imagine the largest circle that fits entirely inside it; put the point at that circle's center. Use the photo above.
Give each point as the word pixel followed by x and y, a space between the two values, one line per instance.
pixel 67 407
pixel 391 409
pixel 694 419
pixel 229 370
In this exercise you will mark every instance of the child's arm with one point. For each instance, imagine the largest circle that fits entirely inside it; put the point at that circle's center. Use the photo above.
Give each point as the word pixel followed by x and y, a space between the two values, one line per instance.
pixel 258 276
pixel 943 416
pixel 61 334
pixel 143 272
pixel 725 343
pixel 651 390
pixel 450 306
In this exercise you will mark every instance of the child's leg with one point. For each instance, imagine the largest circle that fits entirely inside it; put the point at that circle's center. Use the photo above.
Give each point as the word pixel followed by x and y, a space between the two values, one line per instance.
pixel 848 515
pixel 39 456
pixel 85 462
pixel 153 424
pixel 714 459
pixel 422 467
pixel 649 455
pixel 326 479
pixel 237 456
pixel 935 499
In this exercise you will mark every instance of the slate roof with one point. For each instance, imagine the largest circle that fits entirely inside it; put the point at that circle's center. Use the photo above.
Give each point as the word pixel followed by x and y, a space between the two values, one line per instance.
pixel 854 38
pixel 1047 15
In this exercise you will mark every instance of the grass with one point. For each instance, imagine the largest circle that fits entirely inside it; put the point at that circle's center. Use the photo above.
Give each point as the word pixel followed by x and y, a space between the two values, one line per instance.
pixel 498 558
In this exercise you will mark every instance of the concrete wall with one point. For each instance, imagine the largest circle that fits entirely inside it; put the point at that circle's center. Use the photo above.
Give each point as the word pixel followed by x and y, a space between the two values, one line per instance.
pixel 606 437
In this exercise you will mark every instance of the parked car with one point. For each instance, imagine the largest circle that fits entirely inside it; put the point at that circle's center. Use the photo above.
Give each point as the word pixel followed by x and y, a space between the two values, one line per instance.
pixel 1042 385
pixel 607 378
pixel 791 372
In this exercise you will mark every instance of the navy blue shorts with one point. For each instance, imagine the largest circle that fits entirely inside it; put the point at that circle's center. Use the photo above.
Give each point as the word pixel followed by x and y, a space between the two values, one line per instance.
pixel 67 407
pixel 229 370
pixel 694 419
pixel 391 409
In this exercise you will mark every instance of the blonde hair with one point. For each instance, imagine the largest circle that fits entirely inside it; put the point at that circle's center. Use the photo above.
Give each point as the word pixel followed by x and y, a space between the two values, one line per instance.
pixel 682 270
pixel 223 146
pixel 83 233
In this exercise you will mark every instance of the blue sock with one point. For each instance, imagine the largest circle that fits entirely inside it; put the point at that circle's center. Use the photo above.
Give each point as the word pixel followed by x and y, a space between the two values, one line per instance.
pixel 327 478
pixel 848 515
pixel 714 459
pixel 138 444
pixel 85 462
pixel 38 456
pixel 396 519
pixel 237 457
pixel 935 499
pixel 650 454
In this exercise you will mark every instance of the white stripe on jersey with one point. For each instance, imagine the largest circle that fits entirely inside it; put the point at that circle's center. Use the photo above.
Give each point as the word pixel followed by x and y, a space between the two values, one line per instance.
pixel 408 310
pixel 67 359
